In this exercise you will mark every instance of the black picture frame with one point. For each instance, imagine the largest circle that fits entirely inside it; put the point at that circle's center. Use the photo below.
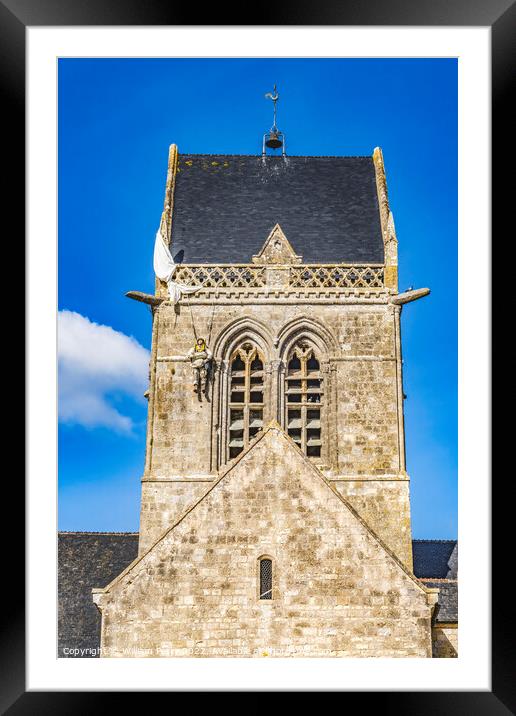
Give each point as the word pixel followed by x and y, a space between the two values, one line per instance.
pixel 15 17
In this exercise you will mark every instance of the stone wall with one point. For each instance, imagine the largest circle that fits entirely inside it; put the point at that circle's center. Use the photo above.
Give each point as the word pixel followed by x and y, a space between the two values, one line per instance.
pixel 445 643
pixel 337 591
pixel 385 506
pixel 162 503
pixel 358 339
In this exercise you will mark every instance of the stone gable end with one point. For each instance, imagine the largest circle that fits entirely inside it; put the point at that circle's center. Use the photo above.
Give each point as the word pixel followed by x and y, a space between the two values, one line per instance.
pixel 336 590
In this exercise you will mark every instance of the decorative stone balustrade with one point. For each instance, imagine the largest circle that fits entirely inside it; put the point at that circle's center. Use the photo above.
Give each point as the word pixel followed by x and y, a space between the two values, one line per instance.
pixel 321 276
pixel 336 276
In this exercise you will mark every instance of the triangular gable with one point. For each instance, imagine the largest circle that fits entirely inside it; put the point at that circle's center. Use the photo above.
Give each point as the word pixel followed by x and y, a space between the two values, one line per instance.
pixel 277 250
pixel 273 431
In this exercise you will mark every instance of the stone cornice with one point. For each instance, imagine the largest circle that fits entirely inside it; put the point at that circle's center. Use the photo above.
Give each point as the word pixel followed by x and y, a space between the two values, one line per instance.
pixel 394 477
pixel 389 477
pixel 278 364
pixel 271 296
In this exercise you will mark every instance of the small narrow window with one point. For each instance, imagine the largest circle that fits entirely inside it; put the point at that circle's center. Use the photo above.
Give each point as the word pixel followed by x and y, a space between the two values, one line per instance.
pixel 266 579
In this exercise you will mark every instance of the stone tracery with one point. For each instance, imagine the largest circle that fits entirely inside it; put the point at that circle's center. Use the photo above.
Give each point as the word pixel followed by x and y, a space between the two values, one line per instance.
pixel 246 397
pixel 304 399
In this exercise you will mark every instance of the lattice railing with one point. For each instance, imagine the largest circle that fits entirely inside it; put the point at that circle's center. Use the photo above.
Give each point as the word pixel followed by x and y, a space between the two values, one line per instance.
pixel 317 276
pixel 229 276
pixel 301 276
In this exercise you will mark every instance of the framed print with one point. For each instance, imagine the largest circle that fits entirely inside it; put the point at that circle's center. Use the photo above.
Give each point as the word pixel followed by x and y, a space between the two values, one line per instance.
pixel 259 459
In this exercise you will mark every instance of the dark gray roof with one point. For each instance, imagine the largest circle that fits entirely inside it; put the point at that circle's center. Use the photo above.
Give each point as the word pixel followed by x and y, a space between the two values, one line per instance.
pixel 448 600
pixel 453 563
pixel 225 206
pixel 87 560
pixel 435 558
pixel 93 559
pixel 438 559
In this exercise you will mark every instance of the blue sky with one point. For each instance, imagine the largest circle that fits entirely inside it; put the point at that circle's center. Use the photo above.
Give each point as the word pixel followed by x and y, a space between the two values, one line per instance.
pixel 117 119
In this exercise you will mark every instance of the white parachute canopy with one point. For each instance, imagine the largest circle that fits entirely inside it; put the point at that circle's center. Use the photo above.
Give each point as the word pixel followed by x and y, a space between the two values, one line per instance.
pixel 164 268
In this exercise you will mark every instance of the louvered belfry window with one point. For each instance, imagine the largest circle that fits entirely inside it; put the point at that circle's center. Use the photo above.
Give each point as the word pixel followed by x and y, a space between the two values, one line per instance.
pixel 265 578
pixel 245 398
pixel 304 400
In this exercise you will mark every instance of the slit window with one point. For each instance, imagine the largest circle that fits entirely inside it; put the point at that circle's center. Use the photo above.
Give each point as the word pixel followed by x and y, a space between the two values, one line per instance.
pixel 245 398
pixel 266 578
pixel 304 400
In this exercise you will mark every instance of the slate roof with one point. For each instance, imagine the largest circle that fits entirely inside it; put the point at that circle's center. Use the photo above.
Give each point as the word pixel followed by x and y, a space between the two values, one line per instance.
pixel 93 559
pixel 225 206
pixel 439 559
pixel 87 560
pixel 435 558
pixel 448 600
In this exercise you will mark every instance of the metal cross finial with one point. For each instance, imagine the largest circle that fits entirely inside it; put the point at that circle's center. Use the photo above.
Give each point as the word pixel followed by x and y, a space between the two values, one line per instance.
pixel 274 96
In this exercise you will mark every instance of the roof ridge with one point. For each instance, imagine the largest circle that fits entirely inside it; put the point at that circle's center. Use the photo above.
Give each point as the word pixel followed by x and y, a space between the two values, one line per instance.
pixel 435 540
pixel 260 156
pixel 85 532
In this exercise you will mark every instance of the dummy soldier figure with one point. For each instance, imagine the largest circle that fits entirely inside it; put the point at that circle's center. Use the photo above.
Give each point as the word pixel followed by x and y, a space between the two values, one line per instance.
pixel 200 358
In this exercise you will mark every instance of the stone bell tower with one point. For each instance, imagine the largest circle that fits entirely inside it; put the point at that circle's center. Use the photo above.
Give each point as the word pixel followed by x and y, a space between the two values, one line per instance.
pixel 275 510
pixel 295 260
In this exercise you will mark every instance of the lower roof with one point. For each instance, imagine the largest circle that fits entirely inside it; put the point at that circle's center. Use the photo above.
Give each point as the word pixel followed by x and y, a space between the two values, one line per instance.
pixel 435 558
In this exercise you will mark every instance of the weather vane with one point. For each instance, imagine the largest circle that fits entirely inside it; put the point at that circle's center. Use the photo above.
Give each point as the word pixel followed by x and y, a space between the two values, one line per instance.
pixel 274 96
pixel 274 139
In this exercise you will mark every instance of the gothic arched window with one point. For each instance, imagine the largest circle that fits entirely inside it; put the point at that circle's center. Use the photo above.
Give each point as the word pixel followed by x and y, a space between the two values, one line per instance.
pixel 245 397
pixel 304 399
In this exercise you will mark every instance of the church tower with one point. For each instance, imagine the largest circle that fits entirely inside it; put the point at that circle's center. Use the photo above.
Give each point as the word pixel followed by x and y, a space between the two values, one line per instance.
pixel 275 508
pixel 296 263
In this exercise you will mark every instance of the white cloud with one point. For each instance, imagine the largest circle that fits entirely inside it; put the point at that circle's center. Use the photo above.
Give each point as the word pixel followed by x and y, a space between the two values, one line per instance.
pixel 96 364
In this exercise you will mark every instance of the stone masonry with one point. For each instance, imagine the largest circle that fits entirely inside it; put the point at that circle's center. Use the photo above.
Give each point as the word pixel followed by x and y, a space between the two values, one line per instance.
pixel 364 408
pixel 338 591
pixel 335 522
